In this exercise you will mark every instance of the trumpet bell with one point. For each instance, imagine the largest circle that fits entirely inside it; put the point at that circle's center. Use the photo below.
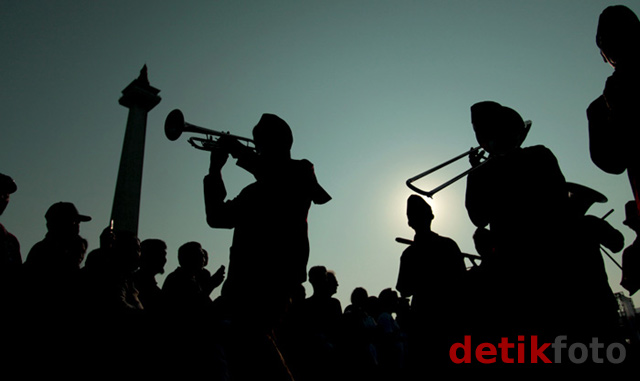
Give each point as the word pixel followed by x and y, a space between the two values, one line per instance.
pixel 174 125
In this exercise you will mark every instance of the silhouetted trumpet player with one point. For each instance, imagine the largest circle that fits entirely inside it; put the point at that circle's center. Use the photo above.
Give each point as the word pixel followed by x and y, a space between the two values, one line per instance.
pixel 521 195
pixel 270 248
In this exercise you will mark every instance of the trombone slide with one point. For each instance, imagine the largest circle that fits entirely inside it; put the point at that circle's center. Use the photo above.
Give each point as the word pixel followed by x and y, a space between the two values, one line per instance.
pixel 430 193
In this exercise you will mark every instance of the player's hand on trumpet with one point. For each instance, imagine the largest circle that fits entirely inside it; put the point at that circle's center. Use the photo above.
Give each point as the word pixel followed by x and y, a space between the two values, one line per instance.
pixel 230 145
pixel 217 159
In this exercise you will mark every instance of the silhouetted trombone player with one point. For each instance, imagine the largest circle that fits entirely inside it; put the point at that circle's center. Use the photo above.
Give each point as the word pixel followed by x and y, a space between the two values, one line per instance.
pixel 614 130
pixel 520 195
pixel 270 249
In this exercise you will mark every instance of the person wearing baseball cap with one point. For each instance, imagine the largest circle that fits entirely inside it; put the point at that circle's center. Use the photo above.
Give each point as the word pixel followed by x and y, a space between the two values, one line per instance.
pixel 63 226
pixel 64 217
pixel 52 267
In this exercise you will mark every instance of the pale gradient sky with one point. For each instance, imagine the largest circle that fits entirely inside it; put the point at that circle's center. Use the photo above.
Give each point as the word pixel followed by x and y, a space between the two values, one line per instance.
pixel 375 92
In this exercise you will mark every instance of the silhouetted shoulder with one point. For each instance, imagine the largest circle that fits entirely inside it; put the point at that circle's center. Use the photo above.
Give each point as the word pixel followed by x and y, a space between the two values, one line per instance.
pixel 449 243
pixel 9 248
pixel 318 195
pixel 540 152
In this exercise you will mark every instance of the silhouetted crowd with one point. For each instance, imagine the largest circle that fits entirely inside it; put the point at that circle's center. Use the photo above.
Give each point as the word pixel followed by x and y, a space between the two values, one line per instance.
pixel 65 311
pixel 541 273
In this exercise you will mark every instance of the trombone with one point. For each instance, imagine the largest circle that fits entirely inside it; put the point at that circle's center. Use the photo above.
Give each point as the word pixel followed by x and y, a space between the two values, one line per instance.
pixel 430 193
pixel 482 158
pixel 174 126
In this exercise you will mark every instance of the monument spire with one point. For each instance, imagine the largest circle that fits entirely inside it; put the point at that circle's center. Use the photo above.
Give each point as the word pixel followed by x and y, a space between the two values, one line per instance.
pixel 139 97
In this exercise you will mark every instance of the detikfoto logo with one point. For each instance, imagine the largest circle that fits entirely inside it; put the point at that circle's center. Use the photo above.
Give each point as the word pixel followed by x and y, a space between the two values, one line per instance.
pixel 545 353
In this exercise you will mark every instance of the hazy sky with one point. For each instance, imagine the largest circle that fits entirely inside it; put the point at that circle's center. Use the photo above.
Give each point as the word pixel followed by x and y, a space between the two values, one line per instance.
pixel 375 92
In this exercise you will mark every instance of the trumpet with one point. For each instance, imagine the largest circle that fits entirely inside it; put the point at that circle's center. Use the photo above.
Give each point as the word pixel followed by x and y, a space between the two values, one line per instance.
pixel 430 193
pixel 174 126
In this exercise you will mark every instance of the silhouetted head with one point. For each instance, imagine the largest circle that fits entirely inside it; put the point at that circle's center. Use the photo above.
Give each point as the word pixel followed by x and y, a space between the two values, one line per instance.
pixel 191 257
pixel 618 35
pixel 273 137
pixel 581 198
pixel 153 255
pixel 373 306
pixel 63 218
pixel 498 129
pixel 359 297
pixel 632 219
pixel 77 252
pixel 318 276
pixel 388 300
pixel 419 213
pixel 126 251
pixel 7 187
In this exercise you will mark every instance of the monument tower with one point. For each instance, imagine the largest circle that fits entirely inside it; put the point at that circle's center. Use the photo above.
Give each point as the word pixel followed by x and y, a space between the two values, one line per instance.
pixel 139 97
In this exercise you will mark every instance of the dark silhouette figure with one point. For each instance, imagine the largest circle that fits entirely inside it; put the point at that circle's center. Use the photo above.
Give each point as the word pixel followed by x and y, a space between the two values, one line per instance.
pixel 593 296
pixel 194 337
pixel 631 255
pixel 391 343
pixel 485 286
pixel 321 316
pixel 270 248
pixel 153 257
pixel 123 297
pixel 10 257
pixel 51 300
pixel 99 257
pixel 110 298
pixel 614 132
pixel 186 293
pixel 52 267
pixel 322 309
pixel 357 341
pixel 520 194
pixel 207 281
pixel 484 243
pixel 432 272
